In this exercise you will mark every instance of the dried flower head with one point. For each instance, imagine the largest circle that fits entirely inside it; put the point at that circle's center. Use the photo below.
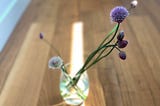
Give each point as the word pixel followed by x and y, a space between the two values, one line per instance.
pixel 134 3
pixel 55 62
pixel 118 14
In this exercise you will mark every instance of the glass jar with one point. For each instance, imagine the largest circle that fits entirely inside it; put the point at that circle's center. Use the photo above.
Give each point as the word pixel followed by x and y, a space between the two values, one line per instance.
pixel 77 94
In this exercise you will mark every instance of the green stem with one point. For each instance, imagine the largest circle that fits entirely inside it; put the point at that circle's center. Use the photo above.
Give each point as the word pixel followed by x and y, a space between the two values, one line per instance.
pixel 118 49
pixel 101 53
pixel 115 29
pixel 53 48
pixel 100 46
pixel 109 41
pixel 106 48
pixel 113 35
pixel 94 62
pixel 95 52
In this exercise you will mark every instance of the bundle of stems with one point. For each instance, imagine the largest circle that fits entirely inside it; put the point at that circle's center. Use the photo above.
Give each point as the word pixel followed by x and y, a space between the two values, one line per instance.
pixel 99 53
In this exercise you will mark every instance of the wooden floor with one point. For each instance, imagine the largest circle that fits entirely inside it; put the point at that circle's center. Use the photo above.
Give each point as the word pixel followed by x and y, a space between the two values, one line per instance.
pixel 25 79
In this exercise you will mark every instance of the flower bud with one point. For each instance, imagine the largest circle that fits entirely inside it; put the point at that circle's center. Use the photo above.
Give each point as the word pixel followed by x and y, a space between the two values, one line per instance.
pixel 134 3
pixel 120 35
pixel 122 55
pixel 55 62
pixel 122 44
pixel 41 35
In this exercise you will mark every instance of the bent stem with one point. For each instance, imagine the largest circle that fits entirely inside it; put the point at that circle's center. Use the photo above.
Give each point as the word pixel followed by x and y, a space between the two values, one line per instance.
pixel 115 29
pixel 102 45
pixel 53 48
pixel 98 59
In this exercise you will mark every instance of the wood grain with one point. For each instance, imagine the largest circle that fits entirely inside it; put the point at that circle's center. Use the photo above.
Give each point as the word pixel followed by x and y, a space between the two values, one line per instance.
pixel 25 79
pixel 27 73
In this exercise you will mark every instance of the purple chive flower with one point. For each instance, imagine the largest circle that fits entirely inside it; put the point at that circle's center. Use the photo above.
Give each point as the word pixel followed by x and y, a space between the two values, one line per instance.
pixel 118 14
pixel 41 35
pixel 122 44
pixel 122 55
pixel 120 35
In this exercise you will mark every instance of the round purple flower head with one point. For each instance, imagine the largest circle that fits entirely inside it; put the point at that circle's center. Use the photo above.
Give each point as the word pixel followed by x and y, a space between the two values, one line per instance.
pixel 118 14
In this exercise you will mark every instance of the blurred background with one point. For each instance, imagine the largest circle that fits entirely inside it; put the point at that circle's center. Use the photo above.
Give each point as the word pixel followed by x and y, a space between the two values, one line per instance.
pixel 133 82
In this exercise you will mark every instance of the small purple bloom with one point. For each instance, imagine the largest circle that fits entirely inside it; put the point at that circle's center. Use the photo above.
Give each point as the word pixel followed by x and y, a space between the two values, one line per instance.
pixel 122 44
pixel 120 35
pixel 122 55
pixel 118 14
pixel 41 35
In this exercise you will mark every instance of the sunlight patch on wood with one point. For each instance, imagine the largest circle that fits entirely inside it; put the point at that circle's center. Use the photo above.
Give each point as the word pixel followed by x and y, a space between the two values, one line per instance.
pixel 77 47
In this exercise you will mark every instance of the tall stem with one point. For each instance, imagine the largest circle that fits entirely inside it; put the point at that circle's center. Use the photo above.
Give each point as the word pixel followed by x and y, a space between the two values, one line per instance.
pixel 53 48
pixel 97 50
pixel 101 44
pixel 100 58
pixel 85 67
pixel 115 28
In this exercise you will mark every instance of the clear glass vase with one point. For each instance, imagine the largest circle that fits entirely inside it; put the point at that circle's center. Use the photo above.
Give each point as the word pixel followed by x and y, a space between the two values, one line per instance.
pixel 74 95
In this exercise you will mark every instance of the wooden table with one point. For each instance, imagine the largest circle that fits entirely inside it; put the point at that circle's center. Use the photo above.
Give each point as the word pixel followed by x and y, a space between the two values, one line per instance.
pixel 25 79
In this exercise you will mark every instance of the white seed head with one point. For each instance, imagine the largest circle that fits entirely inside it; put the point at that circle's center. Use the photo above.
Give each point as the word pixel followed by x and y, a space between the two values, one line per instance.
pixel 55 62
pixel 134 3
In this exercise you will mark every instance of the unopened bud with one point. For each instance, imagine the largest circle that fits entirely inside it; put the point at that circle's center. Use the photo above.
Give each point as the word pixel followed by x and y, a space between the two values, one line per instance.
pixel 120 35
pixel 122 44
pixel 122 55
pixel 41 35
